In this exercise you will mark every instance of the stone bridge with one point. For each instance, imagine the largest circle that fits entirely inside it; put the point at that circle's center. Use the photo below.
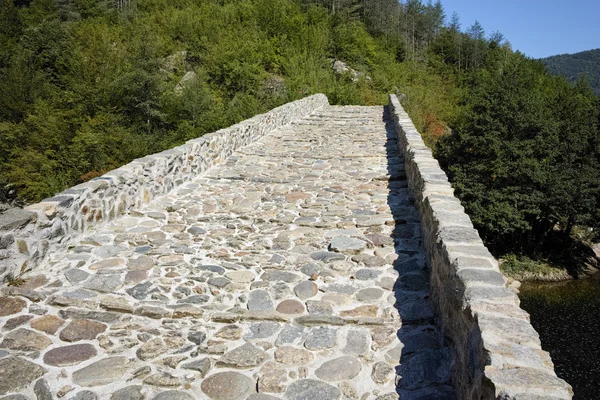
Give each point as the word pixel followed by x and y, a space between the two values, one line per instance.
pixel 313 252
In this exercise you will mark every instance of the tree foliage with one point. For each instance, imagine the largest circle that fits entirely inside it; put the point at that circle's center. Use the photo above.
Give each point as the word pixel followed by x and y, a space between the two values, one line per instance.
pixel 524 154
pixel 585 64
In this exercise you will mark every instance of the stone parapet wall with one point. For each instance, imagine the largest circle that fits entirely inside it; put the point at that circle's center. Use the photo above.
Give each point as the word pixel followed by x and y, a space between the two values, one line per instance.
pixel 27 234
pixel 497 352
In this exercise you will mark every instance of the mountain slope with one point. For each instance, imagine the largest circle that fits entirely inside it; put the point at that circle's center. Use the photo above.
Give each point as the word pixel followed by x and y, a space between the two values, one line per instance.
pixel 573 66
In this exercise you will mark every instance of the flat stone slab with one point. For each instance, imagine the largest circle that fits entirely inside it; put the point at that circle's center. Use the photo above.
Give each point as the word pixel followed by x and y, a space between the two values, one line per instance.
pixel 339 369
pixel 102 372
pixel 311 389
pixel 70 355
pixel 15 218
pixel 245 356
pixel 347 245
pixel 228 386
pixel 18 373
pixel 25 340
pixel 11 305
pixel 82 329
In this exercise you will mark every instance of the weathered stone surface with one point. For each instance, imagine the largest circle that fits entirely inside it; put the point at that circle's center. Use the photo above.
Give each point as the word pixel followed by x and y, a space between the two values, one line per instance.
pixel 348 391
pixel 293 356
pixel 151 349
pixel 141 263
pixel 25 340
pixel 17 373
pixel 114 303
pixel 70 355
pixel 365 274
pixel 11 305
pixel 42 390
pixel 196 299
pixel 142 290
pixel 316 307
pixel 230 332
pixel 108 263
pixel 357 343
pixel 284 276
pixel 339 369
pixel 260 300
pixel 14 397
pixel 103 283
pixel 245 356
pixel 15 322
pixel 173 361
pixel 135 276
pixel 262 330
pixel 361 311
pixel 174 395
pixel 394 354
pixel 75 276
pixel 272 378
pixel 133 392
pixel 311 389
pixel 321 338
pixel 240 276
pixel 369 294
pixel 262 396
pixel 219 282
pixel 15 218
pixel 310 320
pixel 228 386
pixel 152 312
pixel 162 379
pixel 391 396
pixel 102 316
pixel 197 337
pixel 102 372
pixel 290 306
pixel 327 256
pixel 85 395
pixel 347 245
pixel 81 329
pixel 306 290
pixel 337 299
pixel 203 366
pixel 292 335
pixel 382 373
pixel 382 336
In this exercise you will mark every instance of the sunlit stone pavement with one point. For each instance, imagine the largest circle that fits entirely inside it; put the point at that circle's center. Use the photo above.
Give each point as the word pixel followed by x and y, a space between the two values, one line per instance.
pixel 294 271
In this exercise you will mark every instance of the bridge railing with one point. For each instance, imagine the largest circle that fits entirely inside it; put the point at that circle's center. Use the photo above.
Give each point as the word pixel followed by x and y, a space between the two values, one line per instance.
pixel 497 352
pixel 27 234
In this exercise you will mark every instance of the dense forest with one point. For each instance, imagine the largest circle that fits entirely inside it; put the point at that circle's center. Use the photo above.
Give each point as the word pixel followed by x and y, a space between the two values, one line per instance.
pixel 86 86
pixel 575 66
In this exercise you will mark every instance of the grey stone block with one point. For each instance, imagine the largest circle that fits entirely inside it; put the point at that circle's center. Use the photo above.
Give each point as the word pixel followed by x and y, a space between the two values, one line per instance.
pixel 15 218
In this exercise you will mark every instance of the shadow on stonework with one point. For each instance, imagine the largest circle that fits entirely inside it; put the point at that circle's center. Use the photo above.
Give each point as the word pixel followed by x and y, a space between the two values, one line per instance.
pixel 423 359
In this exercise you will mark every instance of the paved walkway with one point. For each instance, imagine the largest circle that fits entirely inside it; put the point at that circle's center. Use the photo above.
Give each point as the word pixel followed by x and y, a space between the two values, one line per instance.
pixel 294 270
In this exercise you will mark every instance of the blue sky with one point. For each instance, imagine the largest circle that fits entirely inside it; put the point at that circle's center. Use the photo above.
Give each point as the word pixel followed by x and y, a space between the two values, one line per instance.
pixel 538 28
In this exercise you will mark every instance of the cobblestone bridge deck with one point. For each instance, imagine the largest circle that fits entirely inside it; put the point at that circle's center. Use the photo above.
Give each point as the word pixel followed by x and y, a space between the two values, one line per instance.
pixel 293 271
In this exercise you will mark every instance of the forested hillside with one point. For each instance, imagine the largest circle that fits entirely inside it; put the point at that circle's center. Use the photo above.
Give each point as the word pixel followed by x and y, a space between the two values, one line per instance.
pixel 585 64
pixel 86 86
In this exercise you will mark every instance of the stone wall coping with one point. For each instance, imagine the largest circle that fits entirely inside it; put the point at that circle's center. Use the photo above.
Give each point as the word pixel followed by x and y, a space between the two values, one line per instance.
pixel 497 352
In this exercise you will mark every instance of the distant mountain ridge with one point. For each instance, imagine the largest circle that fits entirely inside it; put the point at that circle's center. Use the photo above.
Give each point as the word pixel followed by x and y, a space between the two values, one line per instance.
pixel 573 66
